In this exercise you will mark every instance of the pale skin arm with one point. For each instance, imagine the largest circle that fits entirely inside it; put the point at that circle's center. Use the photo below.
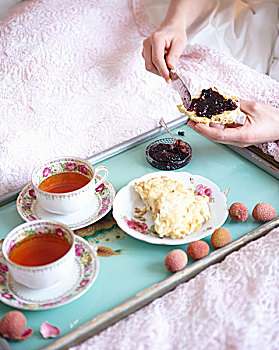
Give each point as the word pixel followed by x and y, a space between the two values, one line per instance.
pixel 262 125
pixel 164 47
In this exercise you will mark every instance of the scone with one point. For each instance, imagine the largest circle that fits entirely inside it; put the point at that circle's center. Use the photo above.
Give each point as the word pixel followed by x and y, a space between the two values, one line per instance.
pixel 176 210
pixel 210 106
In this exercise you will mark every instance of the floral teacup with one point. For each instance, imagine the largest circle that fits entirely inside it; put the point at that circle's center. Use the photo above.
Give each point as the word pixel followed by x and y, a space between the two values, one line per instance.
pixel 45 275
pixel 67 202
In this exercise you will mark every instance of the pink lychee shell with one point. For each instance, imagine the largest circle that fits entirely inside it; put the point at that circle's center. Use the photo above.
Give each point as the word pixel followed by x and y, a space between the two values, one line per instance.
pixel 12 326
pixel 264 212
pixel 176 260
pixel 238 212
pixel 198 249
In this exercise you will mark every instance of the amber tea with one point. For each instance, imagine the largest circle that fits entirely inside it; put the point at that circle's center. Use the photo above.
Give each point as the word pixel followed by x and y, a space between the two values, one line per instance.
pixel 64 182
pixel 38 250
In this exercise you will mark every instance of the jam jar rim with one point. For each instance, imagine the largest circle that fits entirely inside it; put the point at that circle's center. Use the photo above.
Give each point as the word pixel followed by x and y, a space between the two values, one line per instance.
pixel 164 165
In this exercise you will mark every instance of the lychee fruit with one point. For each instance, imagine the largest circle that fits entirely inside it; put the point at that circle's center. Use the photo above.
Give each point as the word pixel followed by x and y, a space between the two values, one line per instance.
pixel 238 212
pixel 220 237
pixel 12 326
pixel 176 260
pixel 198 249
pixel 264 212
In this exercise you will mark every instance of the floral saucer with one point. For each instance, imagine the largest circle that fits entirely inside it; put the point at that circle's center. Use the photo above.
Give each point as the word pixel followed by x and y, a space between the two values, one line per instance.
pixel 84 274
pixel 127 200
pixel 30 209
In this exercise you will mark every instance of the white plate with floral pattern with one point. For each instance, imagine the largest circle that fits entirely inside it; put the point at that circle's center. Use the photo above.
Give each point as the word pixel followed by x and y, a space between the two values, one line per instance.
pixel 127 200
pixel 30 209
pixel 84 274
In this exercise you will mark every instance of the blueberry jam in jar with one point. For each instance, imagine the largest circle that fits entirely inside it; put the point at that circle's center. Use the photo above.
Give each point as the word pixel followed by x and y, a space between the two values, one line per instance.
pixel 164 154
pixel 211 103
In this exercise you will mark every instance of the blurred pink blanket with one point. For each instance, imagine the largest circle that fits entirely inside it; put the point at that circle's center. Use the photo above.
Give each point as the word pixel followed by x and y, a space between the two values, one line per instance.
pixel 73 82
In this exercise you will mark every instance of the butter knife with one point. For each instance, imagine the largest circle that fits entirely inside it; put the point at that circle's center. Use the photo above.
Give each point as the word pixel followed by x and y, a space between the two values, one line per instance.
pixel 181 88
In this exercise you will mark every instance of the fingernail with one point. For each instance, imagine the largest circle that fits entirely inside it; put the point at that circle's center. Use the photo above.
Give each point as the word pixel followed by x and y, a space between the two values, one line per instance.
pixel 171 66
pixel 168 80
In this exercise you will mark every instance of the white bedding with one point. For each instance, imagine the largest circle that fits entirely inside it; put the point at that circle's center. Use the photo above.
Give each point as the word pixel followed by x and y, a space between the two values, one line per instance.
pixel 247 30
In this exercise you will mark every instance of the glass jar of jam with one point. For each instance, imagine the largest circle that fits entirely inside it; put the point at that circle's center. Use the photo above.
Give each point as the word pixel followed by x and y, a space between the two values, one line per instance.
pixel 165 154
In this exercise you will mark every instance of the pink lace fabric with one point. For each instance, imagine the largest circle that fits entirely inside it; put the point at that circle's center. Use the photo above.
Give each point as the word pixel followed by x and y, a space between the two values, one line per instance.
pixel 231 305
pixel 72 82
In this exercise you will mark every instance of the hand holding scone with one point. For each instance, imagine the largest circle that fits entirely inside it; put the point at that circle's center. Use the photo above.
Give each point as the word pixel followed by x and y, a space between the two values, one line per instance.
pixel 262 125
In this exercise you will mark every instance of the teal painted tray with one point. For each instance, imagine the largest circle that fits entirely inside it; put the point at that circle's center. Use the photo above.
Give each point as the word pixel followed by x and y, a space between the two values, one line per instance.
pixel 133 273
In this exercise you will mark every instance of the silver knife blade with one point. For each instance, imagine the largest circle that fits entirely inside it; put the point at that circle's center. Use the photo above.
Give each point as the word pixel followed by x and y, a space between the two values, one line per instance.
pixel 181 88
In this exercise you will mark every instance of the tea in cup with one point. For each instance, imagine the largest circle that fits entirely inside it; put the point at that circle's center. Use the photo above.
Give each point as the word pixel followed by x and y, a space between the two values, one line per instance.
pixel 40 253
pixel 65 185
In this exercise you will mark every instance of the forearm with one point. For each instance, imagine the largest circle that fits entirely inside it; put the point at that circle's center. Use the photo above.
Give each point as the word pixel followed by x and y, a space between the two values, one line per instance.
pixel 185 12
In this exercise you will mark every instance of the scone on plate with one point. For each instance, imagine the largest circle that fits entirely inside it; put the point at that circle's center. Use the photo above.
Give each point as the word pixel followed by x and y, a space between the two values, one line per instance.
pixel 176 210
pixel 210 106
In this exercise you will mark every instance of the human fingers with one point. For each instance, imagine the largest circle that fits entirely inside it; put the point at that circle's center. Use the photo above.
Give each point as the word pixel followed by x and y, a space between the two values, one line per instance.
pixel 221 135
pixel 147 55
pixel 215 125
pixel 159 46
pixel 248 107
pixel 176 48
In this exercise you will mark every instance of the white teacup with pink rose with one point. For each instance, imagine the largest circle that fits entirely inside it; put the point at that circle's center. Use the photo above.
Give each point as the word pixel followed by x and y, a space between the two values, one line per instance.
pixel 65 185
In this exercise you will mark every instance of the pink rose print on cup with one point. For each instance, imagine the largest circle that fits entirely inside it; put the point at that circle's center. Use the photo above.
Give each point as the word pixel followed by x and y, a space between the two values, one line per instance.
pixel 203 190
pixel 59 232
pixel 12 244
pixel 106 201
pixel 103 210
pixel 32 193
pixel 32 218
pixel 82 169
pixel 83 283
pixel 71 166
pixel 62 300
pixel 38 231
pixel 49 304
pixel 100 188
pixel 46 172
pixel 79 249
pixel 87 269
pixel 3 267
pixel 137 226
pixel 7 296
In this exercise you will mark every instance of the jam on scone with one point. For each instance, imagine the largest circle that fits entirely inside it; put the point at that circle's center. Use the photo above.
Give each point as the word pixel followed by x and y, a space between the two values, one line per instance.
pixel 211 103
pixel 210 106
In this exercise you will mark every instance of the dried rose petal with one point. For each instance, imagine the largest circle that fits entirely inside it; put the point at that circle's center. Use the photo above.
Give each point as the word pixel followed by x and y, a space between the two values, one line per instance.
pixel 49 331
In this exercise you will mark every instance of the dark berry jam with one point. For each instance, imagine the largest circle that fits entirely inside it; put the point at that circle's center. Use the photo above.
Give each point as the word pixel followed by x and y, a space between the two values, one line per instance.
pixel 211 103
pixel 164 154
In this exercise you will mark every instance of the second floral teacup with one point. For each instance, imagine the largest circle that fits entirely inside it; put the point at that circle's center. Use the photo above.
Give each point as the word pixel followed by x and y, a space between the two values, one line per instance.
pixel 40 253
pixel 65 185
